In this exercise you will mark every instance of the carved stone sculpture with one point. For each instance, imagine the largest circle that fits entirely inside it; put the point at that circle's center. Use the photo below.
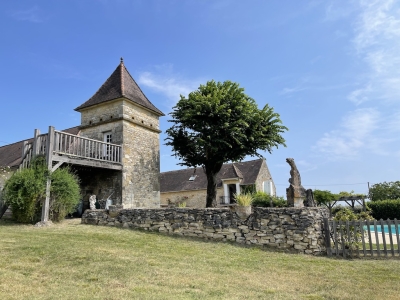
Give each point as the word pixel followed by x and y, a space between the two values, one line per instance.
pixel 295 193
pixel 309 202
pixel 92 202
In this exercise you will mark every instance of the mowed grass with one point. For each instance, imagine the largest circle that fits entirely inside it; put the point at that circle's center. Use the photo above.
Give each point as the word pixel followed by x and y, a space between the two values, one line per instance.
pixel 74 261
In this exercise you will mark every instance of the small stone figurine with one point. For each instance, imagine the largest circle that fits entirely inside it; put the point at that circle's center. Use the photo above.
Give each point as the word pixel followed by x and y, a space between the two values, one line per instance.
pixel 92 202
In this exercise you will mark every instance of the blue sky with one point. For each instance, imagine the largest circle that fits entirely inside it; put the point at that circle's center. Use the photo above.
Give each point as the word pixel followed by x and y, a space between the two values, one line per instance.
pixel 331 69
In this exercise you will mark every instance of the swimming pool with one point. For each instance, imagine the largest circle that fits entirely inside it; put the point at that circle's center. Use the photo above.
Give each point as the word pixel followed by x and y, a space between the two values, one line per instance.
pixel 385 228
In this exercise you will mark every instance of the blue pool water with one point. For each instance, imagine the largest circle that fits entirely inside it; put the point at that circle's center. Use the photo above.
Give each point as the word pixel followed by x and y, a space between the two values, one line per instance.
pixel 385 228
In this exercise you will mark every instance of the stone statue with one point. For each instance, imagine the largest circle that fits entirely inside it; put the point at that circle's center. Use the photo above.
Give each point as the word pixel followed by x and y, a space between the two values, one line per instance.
pixel 92 202
pixel 295 193
pixel 309 202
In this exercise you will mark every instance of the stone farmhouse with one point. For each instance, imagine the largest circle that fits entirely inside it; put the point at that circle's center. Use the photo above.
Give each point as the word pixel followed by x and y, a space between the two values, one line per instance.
pixel 115 151
pixel 190 185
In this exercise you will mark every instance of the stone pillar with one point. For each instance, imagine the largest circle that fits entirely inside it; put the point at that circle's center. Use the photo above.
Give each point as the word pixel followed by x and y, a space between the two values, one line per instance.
pixel 237 189
pixel 226 193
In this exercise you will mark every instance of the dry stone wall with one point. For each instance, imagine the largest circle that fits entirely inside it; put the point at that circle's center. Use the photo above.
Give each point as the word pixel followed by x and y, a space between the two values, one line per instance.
pixel 291 229
pixel 193 198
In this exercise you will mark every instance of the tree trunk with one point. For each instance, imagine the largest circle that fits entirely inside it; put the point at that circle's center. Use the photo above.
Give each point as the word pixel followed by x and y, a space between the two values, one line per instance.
pixel 211 172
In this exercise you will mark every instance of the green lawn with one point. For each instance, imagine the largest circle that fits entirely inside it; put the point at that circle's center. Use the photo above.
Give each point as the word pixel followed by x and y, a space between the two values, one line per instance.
pixel 74 261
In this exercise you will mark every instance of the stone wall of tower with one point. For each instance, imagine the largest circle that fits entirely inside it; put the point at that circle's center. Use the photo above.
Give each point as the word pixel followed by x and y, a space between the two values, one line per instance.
pixel 141 159
pixel 137 129
pixel 95 121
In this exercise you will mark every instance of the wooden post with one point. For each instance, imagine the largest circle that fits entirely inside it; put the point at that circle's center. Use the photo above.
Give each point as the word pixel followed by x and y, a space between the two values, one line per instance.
pixel 327 237
pixel 24 148
pixel 49 162
pixel 36 145
pixel 369 238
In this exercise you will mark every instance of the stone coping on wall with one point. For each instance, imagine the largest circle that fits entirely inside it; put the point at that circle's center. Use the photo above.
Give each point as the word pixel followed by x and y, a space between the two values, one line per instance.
pixel 292 229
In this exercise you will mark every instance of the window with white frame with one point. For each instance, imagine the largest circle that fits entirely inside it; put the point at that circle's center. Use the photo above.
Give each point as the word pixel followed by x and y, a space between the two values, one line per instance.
pixel 107 138
pixel 268 188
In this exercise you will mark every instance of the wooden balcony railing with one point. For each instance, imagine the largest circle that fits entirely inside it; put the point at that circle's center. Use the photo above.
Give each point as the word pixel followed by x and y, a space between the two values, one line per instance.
pixel 70 146
pixel 82 147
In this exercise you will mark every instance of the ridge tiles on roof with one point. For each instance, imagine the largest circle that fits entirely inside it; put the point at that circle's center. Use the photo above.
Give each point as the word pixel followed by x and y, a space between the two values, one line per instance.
pixel 120 84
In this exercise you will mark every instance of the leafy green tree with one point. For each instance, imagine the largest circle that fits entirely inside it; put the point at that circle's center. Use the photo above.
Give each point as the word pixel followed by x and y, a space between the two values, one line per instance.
pixel 218 123
pixel 385 191
pixel 324 197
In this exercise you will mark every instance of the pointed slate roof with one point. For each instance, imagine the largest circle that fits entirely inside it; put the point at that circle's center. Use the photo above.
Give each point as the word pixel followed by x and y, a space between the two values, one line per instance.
pixel 120 84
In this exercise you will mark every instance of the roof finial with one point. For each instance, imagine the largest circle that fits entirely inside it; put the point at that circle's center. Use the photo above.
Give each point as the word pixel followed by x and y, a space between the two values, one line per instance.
pixel 122 60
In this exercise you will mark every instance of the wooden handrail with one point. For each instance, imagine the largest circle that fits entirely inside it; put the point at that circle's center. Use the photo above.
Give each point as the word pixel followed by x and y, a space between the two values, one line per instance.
pixel 83 147
pixel 86 138
pixel 66 144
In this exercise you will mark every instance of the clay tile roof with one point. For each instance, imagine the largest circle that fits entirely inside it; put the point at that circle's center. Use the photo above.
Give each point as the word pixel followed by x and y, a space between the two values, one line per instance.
pixel 11 155
pixel 120 84
pixel 175 181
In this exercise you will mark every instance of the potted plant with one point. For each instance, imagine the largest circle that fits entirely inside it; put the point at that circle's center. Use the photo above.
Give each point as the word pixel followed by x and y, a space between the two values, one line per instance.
pixel 243 208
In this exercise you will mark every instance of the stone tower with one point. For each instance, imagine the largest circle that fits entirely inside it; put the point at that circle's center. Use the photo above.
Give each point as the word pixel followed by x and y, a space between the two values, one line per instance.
pixel 120 113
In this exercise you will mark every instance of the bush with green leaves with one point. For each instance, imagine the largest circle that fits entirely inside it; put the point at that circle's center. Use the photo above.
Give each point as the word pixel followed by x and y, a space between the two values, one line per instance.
pixel 352 238
pixel 357 209
pixel 64 193
pixel 25 192
pixel 262 199
pixel 385 209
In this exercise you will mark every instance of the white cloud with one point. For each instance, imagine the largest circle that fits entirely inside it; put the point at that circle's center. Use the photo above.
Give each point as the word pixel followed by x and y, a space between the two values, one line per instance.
pixel 33 15
pixel 163 80
pixel 355 133
pixel 296 89
pixel 377 43
pixel 337 10
pixel 314 87
pixel 393 123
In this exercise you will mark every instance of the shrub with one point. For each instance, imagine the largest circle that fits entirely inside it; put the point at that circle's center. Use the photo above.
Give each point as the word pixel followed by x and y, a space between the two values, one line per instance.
pixel 64 193
pixel 244 199
pixel 352 238
pixel 25 192
pixel 261 199
pixel 385 209
pixel 357 209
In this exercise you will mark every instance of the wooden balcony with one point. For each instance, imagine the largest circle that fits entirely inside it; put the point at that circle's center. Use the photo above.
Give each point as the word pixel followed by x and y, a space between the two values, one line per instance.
pixel 60 147
pixel 72 149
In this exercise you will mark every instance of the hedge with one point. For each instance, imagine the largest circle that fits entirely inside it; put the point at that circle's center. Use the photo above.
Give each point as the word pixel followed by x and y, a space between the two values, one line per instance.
pixel 385 209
